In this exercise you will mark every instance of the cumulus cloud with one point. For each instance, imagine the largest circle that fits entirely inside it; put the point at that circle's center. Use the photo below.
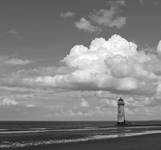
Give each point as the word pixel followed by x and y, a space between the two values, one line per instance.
pixel 113 65
pixel 8 102
pixel 109 17
pixel 67 14
pixel 86 25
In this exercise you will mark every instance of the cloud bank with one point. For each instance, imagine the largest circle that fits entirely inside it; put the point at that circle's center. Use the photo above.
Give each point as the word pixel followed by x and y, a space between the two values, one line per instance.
pixel 113 65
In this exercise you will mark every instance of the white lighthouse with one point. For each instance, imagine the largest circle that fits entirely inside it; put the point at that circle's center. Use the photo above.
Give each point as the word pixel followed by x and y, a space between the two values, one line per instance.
pixel 121 113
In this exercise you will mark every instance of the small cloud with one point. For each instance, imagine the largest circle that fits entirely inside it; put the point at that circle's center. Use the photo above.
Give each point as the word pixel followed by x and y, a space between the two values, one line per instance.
pixel 141 2
pixel 17 61
pixel 84 103
pixel 109 17
pixel 67 14
pixel 154 2
pixel 110 103
pixel 30 105
pixel 8 102
pixel 117 3
pixel 159 46
pixel 12 31
pixel 84 24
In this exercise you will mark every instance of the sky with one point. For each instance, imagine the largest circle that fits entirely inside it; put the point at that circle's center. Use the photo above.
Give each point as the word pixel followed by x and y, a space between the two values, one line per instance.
pixel 72 60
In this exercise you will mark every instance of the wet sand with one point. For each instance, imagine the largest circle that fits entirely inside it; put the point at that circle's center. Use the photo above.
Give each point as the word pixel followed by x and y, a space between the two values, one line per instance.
pixel 141 142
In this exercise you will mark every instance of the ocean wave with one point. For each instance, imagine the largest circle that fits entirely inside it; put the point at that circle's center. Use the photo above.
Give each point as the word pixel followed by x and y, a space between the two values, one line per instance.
pixel 39 130
pixel 21 132
pixel 3 129
pixel 36 130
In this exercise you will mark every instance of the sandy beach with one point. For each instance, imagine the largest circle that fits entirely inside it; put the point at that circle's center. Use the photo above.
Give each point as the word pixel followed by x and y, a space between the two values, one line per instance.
pixel 141 142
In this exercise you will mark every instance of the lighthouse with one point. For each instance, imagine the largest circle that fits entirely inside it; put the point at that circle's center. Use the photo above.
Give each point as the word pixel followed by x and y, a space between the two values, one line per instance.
pixel 121 112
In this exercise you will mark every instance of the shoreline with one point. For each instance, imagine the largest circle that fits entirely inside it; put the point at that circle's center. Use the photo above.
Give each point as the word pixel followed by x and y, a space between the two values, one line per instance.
pixel 146 141
pixel 69 142
pixel 49 137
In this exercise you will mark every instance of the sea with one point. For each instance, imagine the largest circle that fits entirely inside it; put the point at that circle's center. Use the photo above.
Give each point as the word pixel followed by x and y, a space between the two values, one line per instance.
pixel 20 134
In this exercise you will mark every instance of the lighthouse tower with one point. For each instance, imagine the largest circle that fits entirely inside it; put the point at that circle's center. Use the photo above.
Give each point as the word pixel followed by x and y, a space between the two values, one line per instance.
pixel 121 113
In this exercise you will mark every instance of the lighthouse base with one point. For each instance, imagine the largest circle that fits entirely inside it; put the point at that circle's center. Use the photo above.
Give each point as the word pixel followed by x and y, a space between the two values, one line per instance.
pixel 121 123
